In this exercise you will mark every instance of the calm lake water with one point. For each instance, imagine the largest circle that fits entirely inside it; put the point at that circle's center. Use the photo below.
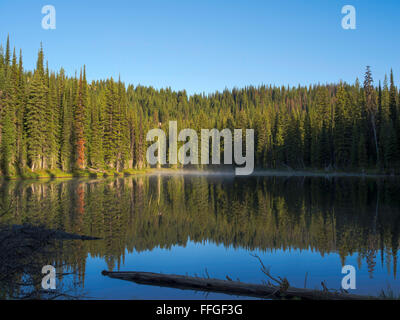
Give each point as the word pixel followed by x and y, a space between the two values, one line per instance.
pixel 198 224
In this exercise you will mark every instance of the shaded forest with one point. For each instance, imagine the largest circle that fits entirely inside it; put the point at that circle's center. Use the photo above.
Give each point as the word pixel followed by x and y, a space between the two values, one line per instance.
pixel 53 122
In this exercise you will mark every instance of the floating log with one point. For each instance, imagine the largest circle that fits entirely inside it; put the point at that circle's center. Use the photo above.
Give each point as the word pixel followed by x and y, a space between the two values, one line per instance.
pixel 228 287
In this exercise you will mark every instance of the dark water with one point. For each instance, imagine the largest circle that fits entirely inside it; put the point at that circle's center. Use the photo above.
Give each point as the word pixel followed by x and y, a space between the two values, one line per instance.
pixel 199 224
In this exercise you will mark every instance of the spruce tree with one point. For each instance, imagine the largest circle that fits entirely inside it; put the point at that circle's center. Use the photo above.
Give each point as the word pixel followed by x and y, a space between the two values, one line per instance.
pixel 7 142
pixel 342 129
pixel 371 105
pixel 35 121
pixel 307 140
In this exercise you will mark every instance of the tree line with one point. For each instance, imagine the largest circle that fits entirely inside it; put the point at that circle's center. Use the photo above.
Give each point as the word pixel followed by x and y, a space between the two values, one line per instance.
pixel 51 121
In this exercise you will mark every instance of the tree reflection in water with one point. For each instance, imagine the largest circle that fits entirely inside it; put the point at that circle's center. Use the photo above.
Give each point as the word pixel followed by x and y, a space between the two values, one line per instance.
pixel 341 215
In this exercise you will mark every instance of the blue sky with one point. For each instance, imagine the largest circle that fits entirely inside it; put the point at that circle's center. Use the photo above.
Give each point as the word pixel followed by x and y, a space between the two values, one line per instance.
pixel 204 46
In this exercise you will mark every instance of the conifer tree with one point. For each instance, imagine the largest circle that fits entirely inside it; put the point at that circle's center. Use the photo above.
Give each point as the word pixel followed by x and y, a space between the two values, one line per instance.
pixel 7 143
pixel 392 101
pixel 96 155
pixel 34 121
pixel 66 132
pixel 20 105
pixel 307 140
pixel 79 136
pixel 342 129
pixel 370 105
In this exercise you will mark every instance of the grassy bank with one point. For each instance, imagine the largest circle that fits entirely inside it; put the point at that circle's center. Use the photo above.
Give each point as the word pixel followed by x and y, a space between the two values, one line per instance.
pixel 89 173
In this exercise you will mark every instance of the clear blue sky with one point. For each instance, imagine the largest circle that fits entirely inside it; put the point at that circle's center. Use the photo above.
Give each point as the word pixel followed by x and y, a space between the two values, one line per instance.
pixel 204 46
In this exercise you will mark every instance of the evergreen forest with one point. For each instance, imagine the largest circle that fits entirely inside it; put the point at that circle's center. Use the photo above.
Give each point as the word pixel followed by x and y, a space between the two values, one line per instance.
pixel 53 122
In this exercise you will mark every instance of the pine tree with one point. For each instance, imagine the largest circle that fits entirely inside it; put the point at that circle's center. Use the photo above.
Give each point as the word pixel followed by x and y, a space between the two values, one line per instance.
pixel 96 155
pixel 324 148
pixel 394 115
pixel 52 113
pixel 370 105
pixel 278 141
pixel 66 151
pixel 392 101
pixel 293 144
pixel 261 139
pixel 34 121
pixel 110 127
pixel 20 105
pixel 389 145
pixel 86 116
pixel 342 129
pixel 8 102
pixel 7 143
pixel 7 56
pixel 307 140
pixel 323 109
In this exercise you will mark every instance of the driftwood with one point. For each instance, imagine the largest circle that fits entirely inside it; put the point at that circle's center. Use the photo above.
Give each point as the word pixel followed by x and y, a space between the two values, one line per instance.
pixel 229 287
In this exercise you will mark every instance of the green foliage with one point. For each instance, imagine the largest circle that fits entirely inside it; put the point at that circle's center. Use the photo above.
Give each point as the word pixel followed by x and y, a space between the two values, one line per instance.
pixel 49 121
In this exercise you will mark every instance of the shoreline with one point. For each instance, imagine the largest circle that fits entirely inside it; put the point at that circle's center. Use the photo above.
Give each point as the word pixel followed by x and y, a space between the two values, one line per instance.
pixel 58 174
pixel 196 172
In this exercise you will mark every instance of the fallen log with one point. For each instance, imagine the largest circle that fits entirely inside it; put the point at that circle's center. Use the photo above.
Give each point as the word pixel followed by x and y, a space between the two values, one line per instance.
pixel 228 287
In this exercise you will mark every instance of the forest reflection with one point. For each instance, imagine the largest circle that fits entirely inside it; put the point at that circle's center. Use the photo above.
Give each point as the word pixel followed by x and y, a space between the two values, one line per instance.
pixel 342 215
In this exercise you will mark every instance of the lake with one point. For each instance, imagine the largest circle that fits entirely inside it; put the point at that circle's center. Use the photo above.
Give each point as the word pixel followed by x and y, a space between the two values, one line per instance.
pixel 304 228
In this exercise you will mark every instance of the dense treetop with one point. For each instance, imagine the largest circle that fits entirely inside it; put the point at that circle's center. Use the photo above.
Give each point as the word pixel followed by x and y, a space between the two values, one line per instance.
pixel 49 121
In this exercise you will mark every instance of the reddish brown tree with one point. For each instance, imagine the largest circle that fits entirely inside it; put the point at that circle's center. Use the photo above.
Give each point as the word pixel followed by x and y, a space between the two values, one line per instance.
pixel 79 126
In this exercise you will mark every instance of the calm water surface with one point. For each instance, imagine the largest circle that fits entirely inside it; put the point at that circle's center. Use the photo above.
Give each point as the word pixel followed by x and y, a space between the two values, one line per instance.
pixel 199 224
